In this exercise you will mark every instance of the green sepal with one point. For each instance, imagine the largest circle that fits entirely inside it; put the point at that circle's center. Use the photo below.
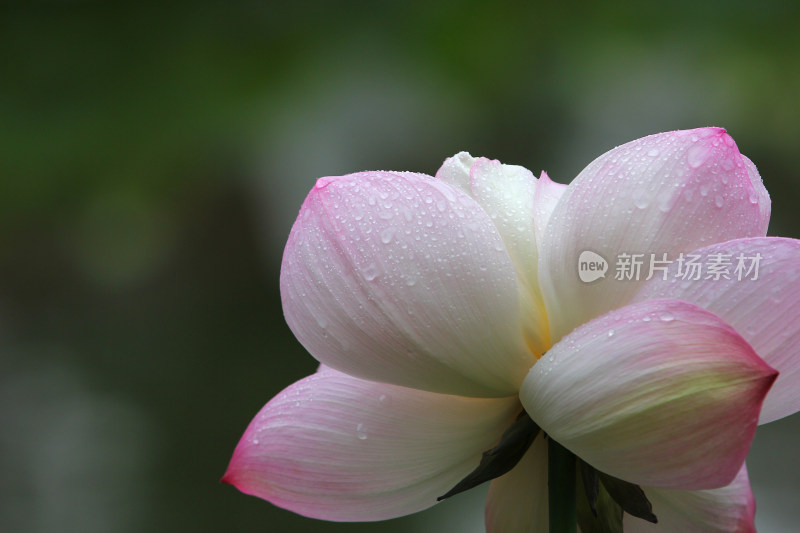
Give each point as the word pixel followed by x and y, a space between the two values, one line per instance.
pixel 591 485
pixel 502 458
pixel 606 517
pixel 629 496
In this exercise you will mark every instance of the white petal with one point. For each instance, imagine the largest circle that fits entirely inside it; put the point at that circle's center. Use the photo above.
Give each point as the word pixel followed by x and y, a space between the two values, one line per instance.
pixel 403 279
pixel 519 206
pixel 506 193
pixel 548 193
pixel 455 171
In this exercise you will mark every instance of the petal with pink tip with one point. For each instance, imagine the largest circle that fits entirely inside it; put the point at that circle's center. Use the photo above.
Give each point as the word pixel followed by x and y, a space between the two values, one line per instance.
pixel 755 289
pixel 404 279
pixel 517 501
pixel 661 393
pixel 666 193
pixel 730 509
pixel 340 448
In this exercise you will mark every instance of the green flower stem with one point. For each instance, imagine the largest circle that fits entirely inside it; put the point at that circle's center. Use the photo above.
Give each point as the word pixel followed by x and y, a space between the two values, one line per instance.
pixel 561 488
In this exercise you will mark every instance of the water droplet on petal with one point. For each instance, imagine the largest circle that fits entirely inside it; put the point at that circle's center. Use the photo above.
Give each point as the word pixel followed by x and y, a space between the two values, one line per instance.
pixel 611 333
pixel 386 235
pixel 653 152
pixel 370 272
pixel 696 155
pixel 360 433
pixel 640 199
pixel 727 164
pixel 666 316
pixel 719 201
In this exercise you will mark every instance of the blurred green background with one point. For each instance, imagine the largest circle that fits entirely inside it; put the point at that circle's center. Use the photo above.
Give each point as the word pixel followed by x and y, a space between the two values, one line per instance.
pixel 153 157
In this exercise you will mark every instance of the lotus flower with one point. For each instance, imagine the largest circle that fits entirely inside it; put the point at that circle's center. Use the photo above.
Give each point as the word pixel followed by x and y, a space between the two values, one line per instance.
pixel 444 309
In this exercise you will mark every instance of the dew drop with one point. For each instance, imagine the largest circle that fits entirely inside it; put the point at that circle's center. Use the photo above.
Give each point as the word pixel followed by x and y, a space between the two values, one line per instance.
pixel 719 201
pixel 386 235
pixel 653 152
pixel 611 333
pixel 666 316
pixel 360 433
pixel 370 272
pixel 640 199
pixel 666 201
pixel 696 155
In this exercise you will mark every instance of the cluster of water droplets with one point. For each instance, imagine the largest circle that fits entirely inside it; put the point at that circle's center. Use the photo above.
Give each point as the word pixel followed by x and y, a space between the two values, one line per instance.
pixel 406 229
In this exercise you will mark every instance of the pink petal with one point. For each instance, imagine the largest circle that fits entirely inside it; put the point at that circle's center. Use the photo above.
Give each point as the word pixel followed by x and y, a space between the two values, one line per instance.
pixel 660 393
pixel 340 448
pixel 517 501
pixel 762 196
pixel 667 193
pixel 548 193
pixel 765 311
pixel 404 279
pixel 729 509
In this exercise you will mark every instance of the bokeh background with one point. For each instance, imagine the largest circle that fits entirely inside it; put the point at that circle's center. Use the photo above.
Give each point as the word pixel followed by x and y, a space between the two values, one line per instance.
pixel 153 157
